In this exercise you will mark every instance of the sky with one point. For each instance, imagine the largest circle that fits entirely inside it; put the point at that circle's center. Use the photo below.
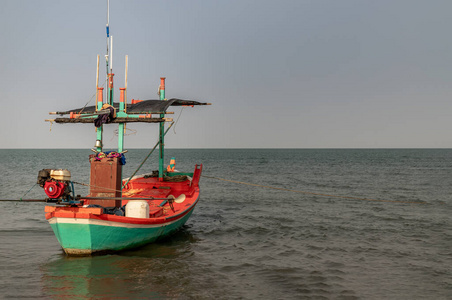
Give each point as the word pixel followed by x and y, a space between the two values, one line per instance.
pixel 279 74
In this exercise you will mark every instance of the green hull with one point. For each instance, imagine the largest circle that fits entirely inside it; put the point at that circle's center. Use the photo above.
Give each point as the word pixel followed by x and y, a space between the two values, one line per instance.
pixel 87 236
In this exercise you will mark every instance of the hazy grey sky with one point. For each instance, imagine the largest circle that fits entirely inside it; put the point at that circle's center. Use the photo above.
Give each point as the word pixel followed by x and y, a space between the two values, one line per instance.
pixel 280 74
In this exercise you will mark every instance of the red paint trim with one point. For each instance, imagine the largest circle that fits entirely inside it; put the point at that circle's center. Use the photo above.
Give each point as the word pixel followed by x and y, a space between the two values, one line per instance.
pixel 83 213
pixel 89 210
pixel 110 80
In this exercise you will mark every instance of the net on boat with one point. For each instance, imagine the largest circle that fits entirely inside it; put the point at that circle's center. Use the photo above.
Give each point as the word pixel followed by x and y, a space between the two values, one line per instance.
pixel 143 107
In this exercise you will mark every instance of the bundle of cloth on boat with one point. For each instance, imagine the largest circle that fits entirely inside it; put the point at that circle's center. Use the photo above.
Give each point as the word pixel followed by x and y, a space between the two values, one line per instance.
pixel 110 154
pixel 107 117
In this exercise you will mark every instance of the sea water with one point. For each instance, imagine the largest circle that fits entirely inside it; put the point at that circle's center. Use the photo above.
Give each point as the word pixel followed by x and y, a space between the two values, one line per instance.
pixel 393 240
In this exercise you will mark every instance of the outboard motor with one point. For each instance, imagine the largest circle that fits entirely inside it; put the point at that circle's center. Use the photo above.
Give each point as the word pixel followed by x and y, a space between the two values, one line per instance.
pixel 56 184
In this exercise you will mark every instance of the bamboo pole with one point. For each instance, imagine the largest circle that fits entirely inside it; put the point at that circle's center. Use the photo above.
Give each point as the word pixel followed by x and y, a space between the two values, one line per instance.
pixel 97 77
pixel 125 91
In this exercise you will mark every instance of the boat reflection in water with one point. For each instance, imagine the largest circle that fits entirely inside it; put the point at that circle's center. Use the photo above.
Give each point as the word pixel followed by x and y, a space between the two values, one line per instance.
pixel 158 270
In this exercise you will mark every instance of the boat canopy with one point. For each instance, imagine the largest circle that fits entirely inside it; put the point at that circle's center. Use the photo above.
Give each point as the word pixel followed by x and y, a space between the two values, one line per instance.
pixel 142 107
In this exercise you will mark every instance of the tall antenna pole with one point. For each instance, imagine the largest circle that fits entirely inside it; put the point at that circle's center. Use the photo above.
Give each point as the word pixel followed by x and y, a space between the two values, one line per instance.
pixel 107 56
pixel 110 75
pixel 111 54
pixel 109 59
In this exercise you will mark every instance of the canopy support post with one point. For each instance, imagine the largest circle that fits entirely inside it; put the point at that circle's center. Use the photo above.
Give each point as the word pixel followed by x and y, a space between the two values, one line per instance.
pixel 121 125
pixel 100 97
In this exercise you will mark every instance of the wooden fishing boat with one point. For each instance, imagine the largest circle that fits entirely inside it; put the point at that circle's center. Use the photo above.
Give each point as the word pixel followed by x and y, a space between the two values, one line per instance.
pixel 119 214
pixel 89 227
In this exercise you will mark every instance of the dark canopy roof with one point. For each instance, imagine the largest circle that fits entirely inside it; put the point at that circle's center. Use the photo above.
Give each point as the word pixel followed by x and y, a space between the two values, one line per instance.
pixel 145 106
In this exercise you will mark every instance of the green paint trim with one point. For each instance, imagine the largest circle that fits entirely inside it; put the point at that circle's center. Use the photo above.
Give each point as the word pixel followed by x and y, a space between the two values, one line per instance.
pixel 121 114
pixel 172 174
pixel 108 238
pixel 110 92
pixel 121 137
pixel 99 137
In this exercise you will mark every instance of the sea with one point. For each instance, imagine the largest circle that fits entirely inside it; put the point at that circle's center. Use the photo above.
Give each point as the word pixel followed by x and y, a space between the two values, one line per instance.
pixel 270 224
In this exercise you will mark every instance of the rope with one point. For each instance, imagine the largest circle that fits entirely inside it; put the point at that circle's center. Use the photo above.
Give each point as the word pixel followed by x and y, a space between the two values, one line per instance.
pixel 180 114
pixel 139 167
pixel 91 98
pixel 28 191
pixel 132 132
pixel 100 187
pixel 311 193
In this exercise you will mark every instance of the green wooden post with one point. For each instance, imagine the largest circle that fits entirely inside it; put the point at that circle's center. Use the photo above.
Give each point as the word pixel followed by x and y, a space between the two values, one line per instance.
pixel 162 131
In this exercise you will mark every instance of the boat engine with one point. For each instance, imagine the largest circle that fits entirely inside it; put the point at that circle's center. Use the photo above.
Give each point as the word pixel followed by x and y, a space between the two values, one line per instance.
pixel 56 184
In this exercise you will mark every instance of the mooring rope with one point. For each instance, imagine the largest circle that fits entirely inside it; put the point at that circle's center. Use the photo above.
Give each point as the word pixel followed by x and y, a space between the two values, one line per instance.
pixel 139 167
pixel 262 186
pixel 312 193
pixel 28 191
pixel 95 186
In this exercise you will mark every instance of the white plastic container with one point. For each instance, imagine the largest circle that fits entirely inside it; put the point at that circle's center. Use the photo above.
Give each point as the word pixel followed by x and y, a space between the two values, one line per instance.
pixel 137 209
pixel 61 174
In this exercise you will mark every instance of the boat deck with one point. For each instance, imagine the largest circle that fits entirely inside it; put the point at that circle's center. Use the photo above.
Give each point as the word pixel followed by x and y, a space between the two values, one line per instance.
pixel 158 194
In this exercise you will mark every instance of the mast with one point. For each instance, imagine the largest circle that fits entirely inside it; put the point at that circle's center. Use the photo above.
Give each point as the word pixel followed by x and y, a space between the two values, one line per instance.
pixel 99 91
pixel 162 130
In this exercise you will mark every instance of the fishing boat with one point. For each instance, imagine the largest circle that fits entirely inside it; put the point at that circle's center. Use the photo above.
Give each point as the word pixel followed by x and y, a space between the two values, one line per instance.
pixel 119 214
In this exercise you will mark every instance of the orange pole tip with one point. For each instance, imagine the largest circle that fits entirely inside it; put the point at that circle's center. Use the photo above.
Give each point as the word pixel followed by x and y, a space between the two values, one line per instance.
pixel 100 94
pixel 121 96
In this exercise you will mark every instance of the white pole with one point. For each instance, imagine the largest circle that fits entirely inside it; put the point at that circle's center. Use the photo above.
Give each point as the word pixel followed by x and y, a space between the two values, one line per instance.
pixel 97 81
pixel 111 54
